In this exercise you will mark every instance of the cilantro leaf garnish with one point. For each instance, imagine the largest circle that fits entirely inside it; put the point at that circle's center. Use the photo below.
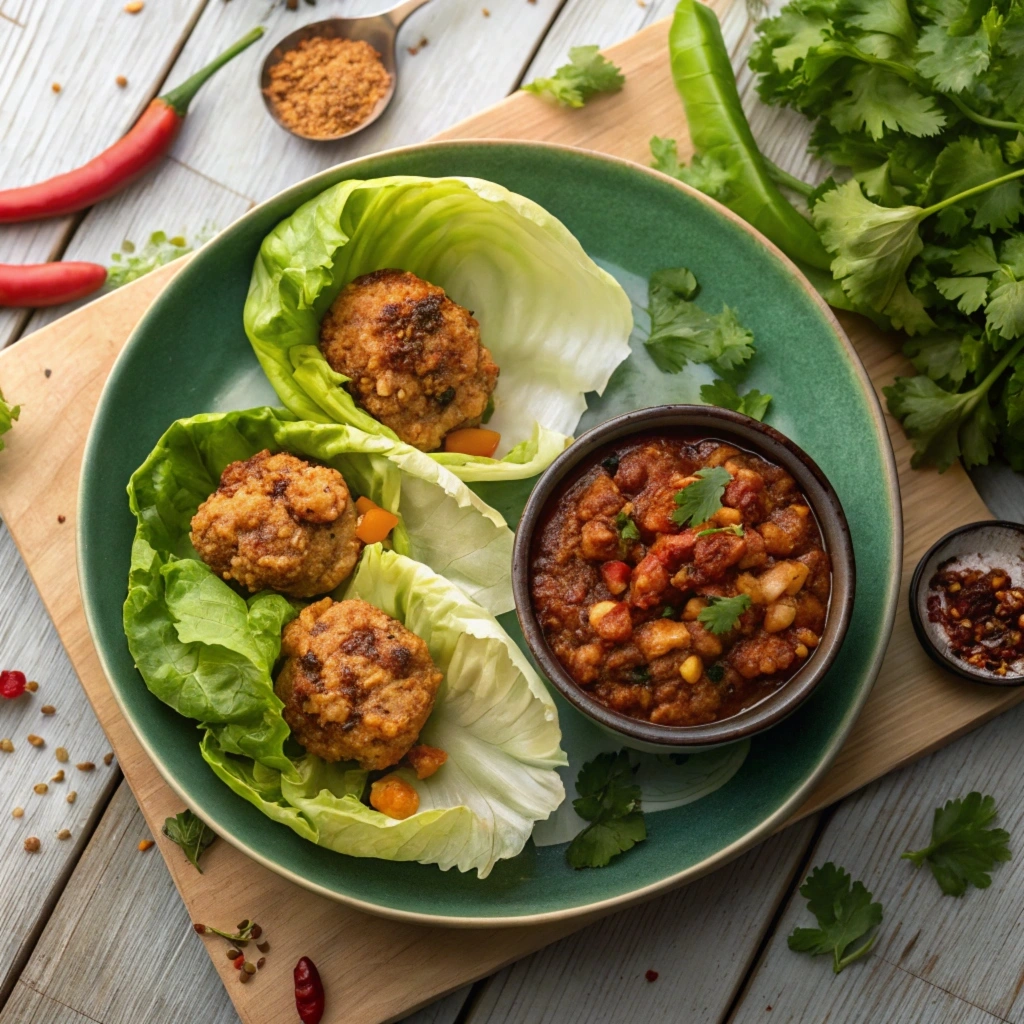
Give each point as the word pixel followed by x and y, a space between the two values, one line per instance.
pixel 586 74
pixel 963 851
pixel 735 528
pixel 610 800
pixel 682 332
pixel 700 500
pixel 715 672
pixel 131 262
pixel 723 613
pixel 627 528
pixel 191 834
pixel 8 414
pixel 724 394
pixel 845 913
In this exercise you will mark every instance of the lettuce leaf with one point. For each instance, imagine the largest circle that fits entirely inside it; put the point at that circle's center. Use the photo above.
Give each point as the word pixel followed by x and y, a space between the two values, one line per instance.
pixel 493 716
pixel 556 324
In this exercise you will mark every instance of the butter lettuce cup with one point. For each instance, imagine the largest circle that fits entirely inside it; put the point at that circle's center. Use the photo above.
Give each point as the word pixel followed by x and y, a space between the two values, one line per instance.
pixel 211 651
pixel 404 282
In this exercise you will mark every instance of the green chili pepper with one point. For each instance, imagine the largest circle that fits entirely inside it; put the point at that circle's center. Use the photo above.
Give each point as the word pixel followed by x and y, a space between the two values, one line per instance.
pixel 719 131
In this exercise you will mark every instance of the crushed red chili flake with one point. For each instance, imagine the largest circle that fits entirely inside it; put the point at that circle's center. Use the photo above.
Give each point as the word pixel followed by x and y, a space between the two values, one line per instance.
pixel 982 615
pixel 651 975
pixel 62 519
pixel 12 683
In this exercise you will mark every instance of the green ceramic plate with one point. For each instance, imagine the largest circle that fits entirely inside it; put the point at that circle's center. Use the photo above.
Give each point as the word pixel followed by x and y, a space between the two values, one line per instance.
pixel 189 354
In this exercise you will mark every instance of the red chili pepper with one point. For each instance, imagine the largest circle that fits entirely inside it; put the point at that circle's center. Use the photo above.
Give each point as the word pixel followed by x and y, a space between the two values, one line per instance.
pixel 48 284
pixel 12 683
pixel 309 992
pixel 127 159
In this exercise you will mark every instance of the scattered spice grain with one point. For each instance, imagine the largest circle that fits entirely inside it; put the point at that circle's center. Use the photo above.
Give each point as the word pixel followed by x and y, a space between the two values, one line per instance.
pixel 61 754
pixel 146 844
pixel 85 766
pixel 7 746
pixel 32 845
pixel 31 686
pixel 48 709
pixel 651 975
pixel 62 519
pixel 72 796
pixel 18 812
pixel 59 777
pixel 327 86
pixel 108 758
pixel 134 6
pixel 121 82
pixel 41 788
pixel 64 833
pixel 413 50
pixel 55 87
pixel 36 741
pixel 486 13
pixel 46 373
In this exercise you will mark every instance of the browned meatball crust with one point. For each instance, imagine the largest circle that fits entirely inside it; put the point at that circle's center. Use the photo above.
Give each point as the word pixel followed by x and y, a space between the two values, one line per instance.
pixel 277 522
pixel 413 356
pixel 356 684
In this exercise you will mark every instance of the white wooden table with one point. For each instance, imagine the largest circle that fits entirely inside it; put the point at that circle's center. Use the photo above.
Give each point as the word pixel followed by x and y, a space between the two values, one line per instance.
pixel 91 929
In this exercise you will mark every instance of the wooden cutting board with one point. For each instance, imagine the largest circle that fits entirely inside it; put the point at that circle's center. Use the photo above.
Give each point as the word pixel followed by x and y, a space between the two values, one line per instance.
pixel 57 375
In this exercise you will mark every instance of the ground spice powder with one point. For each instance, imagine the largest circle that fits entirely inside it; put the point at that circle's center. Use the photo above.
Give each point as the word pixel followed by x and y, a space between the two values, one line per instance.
pixel 326 86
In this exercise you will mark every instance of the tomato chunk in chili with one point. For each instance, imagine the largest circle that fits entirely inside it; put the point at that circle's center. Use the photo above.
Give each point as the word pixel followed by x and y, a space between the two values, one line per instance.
pixel 669 620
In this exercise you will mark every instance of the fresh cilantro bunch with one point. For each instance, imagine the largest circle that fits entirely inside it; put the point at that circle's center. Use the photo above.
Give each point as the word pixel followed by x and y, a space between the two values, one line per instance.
pixel 8 414
pixel 847 917
pixel 920 104
pixel 586 74
pixel 963 850
pixel 610 800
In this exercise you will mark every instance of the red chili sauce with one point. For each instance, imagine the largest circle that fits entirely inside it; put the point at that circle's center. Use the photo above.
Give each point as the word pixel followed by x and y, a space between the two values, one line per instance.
pixel 629 592
pixel 982 614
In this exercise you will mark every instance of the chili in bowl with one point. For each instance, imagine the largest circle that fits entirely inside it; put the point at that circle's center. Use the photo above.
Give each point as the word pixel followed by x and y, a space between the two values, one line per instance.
pixel 684 576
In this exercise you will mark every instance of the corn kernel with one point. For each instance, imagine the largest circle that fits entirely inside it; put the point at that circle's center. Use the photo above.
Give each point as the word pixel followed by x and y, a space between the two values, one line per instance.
pixel 692 669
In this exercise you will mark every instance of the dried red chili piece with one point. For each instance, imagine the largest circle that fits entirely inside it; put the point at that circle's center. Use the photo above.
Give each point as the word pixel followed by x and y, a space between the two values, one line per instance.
pixel 651 975
pixel 12 683
pixel 309 992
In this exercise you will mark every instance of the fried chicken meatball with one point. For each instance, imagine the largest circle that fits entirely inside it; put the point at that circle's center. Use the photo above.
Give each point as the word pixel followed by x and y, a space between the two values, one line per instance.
pixel 356 684
pixel 414 357
pixel 277 522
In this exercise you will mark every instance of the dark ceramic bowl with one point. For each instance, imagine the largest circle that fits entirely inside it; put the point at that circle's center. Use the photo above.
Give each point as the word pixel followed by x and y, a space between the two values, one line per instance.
pixel 993 542
pixel 743 432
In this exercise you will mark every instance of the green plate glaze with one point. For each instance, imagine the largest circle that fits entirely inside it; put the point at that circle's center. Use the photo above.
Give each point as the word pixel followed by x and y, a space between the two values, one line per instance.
pixel 189 354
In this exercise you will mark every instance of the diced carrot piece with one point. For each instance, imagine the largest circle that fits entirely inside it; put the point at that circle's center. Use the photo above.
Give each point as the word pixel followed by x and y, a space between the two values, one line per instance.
pixel 363 505
pixel 375 524
pixel 473 441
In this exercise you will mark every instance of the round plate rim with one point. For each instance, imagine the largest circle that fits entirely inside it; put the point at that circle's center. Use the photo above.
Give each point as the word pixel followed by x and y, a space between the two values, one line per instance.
pixel 767 825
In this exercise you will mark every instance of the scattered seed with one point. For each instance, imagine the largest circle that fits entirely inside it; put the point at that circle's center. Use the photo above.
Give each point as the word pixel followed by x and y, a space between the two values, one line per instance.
pixel 121 81
pixel 64 833
pixel 242 925
pixel 72 796
pixel 241 943
pixel 46 373
pixel 256 932
pixel 55 87
pixel 18 812
pixel 108 758
pixel 62 519
pixel 259 963
pixel 7 746
pixel 292 5
pixel 486 13
pixel 41 788
pixel 263 947
pixel 59 777
pixel 651 975
pixel 233 954
pixel 36 741
pixel 134 7
pixel 199 928
pixel 244 976
pixel 31 686
pixel 48 709
pixel 145 845
pixel 85 766
pixel 61 755
pixel 32 845
pixel 249 967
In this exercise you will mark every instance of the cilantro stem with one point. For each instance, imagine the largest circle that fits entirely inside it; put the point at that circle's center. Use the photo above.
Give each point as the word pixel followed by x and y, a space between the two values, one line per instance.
pixel 784 178
pixel 988 122
pixel 983 187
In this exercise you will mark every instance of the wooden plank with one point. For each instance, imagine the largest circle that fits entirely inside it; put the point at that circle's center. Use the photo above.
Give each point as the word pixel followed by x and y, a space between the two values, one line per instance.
pixel 964 949
pixel 428 962
pixel 701 941
pixel 30 883
pixel 83 47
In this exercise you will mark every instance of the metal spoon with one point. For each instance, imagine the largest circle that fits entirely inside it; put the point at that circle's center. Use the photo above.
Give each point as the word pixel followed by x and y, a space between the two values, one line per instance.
pixel 379 30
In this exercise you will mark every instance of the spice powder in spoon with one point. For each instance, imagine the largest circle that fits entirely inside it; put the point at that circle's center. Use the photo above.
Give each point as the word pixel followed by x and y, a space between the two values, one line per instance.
pixel 327 86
